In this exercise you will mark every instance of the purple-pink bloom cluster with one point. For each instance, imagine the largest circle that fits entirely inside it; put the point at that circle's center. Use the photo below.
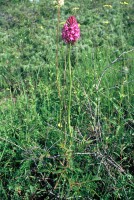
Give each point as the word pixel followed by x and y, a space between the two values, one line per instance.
pixel 71 31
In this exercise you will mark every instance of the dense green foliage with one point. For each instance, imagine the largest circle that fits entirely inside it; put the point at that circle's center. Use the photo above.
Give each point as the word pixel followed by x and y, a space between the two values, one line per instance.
pixel 38 158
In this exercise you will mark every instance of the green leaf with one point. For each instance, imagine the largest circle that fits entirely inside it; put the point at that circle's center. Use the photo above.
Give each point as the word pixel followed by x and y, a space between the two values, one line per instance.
pixel 96 178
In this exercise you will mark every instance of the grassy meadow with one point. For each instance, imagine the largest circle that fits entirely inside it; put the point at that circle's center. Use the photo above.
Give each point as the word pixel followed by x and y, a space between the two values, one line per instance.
pixel 66 135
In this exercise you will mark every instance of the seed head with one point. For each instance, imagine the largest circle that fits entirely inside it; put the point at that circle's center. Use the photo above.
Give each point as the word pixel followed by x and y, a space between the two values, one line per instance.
pixel 60 2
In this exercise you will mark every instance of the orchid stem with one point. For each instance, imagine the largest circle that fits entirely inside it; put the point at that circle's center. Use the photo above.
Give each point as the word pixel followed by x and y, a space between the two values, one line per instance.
pixel 70 92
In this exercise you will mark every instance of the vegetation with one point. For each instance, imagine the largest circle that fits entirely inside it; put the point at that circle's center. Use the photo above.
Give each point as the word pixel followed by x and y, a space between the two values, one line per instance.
pixel 39 157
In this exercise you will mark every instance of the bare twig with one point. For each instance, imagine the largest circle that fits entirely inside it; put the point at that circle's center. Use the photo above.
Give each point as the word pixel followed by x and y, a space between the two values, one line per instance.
pixel 108 67
pixel 110 161
pixel 8 141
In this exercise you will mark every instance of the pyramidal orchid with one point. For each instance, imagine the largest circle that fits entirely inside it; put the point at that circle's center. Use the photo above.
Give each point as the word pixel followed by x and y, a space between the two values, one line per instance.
pixel 71 31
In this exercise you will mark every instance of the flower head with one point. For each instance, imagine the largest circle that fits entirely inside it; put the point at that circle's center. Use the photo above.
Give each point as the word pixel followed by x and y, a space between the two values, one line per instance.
pixel 124 3
pixel 60 2
pixel 107 5
pixel 71 31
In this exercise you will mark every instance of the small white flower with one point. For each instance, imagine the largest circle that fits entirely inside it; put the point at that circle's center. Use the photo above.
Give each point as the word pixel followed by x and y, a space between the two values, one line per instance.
pixel 60 2
pixel 126 70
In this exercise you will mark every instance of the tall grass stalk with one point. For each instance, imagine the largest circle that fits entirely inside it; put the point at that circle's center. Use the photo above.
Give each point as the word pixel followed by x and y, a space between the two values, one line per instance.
pixel 57 50
pixel 57 61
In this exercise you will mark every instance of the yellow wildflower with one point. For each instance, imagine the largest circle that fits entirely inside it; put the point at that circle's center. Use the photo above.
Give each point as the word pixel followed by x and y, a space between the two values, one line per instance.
pixel 75 8
pixel 106 22
pixel 124 3
pixel 107 5
pixel 59 125
pixel 41 27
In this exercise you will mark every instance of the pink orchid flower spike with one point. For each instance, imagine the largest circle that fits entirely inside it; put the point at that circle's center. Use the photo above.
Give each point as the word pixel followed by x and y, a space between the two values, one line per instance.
pixel 71 31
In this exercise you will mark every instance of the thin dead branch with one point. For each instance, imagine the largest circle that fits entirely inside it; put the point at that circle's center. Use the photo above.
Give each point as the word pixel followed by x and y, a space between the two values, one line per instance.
pixel 108 67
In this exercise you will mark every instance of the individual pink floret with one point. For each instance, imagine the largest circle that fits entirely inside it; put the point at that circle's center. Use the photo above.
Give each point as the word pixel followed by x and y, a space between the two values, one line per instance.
pixel 71 31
